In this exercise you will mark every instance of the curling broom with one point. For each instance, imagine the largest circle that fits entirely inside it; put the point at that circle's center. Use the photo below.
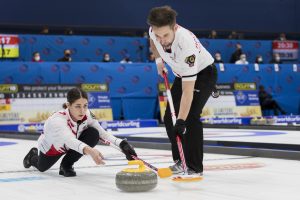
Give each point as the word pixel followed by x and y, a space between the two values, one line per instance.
pixel 185 177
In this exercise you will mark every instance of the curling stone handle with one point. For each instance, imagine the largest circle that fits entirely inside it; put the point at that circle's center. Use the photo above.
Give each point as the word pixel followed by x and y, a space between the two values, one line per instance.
pixel 141 167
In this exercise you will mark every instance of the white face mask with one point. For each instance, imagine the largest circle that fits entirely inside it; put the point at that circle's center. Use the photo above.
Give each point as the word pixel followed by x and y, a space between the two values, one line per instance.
pixel 259 59
pixel 243 59
pixel 106 58
pixel 282 38
pixel 277 58
pixel 37 58
pixel 218 57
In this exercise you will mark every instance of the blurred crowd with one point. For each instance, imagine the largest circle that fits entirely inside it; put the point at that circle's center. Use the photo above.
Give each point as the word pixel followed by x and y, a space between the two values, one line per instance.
pixel 237 57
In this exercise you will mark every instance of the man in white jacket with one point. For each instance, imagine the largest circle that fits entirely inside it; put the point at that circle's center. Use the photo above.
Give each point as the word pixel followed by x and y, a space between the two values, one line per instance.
pixel 195 78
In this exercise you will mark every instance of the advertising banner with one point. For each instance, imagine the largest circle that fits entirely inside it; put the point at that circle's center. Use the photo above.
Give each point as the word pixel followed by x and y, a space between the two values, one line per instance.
pixel 113 125
pixel 238 100
pixel 235 100
pixel 35 103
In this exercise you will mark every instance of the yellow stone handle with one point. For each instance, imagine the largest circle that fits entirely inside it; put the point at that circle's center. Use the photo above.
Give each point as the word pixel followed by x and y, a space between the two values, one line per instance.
pixel 141 167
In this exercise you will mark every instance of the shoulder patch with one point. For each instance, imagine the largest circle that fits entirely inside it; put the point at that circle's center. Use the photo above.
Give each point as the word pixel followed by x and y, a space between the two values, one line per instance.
pixel 190 60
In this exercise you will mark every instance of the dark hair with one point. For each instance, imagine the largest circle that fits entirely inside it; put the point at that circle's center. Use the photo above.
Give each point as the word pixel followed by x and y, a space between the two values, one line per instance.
pixel 261 87
pixel 75 94
pixel 33 54
pixel 162 16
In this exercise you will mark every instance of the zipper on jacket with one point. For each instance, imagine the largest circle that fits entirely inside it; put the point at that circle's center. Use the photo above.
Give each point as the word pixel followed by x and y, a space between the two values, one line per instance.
pixel 78 124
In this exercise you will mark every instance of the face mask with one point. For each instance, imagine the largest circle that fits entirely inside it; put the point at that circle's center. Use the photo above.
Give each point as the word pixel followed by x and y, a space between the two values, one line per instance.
pixel 218 58
pixel 106 58
pixel 259 59
pixel 37 58
pixel 243 59
pixel 277 58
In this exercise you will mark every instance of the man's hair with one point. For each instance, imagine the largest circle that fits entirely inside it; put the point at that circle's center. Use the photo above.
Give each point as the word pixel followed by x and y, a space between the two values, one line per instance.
pixel 162 16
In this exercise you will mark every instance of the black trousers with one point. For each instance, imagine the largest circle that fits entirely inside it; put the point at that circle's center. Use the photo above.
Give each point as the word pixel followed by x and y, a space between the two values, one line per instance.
pixel 90 136
pixel 193 139
pixel 272 105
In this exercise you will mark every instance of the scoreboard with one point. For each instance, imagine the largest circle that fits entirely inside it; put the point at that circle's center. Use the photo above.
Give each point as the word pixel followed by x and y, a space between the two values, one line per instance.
pixel 9 46
pixel 288 50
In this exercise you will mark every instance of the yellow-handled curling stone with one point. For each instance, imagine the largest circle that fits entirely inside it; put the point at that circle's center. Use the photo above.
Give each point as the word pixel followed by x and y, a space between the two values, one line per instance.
pixel 136 179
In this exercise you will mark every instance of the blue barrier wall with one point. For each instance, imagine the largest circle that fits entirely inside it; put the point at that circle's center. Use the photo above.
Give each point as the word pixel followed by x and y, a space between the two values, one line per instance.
pixel 126 82
pixel 284 85
pixel 92 48
pixel 133 87
pixel 84 48
pixel 250 47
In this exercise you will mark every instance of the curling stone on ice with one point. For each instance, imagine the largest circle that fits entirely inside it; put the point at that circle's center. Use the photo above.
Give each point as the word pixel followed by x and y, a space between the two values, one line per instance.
pixel 258 121
pixel 136 179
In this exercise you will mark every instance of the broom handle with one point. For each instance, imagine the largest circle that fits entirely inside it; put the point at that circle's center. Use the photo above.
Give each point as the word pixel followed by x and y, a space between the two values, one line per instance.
pixel 147 164
pixel 134 157
pixel 173 115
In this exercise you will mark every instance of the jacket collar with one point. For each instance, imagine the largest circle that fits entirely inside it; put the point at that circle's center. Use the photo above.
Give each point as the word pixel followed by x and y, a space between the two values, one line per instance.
pixel 71 120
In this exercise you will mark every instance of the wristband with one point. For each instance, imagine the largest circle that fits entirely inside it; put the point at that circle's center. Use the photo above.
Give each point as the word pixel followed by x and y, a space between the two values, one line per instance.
pixel 158 60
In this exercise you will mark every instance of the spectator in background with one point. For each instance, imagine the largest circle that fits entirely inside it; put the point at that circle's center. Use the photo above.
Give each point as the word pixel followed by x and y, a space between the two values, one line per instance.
pixel 242 60
pixel 106 58
pixel 45 30
pixel 67 56
pixel 146 35
pixel 237 53
pixel 151 57
pixel 218 58
pixel 213 35
pixel 259 59
pixel 276 59
pixel 267 102
pixel 36 57
pixel 69 31
pixel 233 35
pixel 282 37
pixel 126 60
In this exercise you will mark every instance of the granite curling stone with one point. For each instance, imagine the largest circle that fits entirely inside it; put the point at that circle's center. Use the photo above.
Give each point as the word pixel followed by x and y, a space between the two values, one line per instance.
pixel 136 179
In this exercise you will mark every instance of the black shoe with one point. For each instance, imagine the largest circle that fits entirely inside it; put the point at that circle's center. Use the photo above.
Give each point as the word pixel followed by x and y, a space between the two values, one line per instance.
pixel 192 172
pixel 67 171
pixel 30 154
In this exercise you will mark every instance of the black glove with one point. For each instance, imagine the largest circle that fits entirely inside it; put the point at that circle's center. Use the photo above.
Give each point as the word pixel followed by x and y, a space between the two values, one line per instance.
pixel 127 149
pixel 179 128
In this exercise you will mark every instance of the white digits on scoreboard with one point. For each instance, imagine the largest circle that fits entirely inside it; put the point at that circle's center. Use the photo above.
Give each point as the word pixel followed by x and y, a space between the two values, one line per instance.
pixel 5 40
